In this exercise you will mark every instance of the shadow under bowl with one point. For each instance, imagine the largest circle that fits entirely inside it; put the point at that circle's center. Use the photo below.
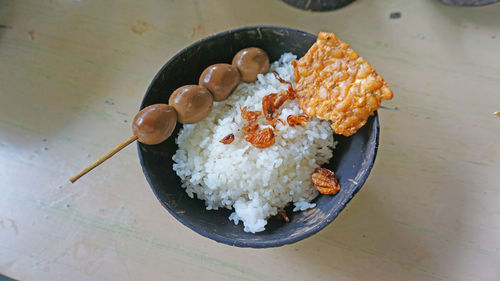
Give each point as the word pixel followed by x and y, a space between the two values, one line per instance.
pixel 352 158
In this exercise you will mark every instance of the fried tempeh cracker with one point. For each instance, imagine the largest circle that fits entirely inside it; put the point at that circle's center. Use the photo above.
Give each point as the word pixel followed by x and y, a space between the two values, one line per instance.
pixel 334 83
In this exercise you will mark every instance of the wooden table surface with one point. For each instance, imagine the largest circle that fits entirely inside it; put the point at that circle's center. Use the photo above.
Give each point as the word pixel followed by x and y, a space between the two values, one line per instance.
pixel 73 73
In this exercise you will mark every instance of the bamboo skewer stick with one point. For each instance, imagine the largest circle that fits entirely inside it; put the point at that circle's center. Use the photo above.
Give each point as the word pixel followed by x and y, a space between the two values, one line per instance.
pixel 104 158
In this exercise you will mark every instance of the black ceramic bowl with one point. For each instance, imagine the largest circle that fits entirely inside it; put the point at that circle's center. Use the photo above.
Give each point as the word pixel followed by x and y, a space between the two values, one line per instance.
pixel 353 157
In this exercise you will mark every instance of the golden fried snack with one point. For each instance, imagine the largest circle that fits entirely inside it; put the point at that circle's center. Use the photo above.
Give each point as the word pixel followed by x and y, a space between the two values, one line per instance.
pixel 334 83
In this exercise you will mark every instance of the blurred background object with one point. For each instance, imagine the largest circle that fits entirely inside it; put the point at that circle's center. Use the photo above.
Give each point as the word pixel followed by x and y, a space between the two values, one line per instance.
pixel 318 5
pixel 471 3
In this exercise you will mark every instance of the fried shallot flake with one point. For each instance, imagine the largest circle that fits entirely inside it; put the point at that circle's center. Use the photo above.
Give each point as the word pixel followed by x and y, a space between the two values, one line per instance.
pixel 334 83
pixel 251 128
pixel 272 102
pixel 283 216
pixel 227 139
pixel 297 120
pixel 284 96
pixel 283 81
pixel 262 138
pixel 325 182
pixel 290 90
pixel 250 116
pixel 268 106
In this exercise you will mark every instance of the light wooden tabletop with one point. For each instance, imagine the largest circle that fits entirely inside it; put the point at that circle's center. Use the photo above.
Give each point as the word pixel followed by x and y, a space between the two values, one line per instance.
pixel 73 73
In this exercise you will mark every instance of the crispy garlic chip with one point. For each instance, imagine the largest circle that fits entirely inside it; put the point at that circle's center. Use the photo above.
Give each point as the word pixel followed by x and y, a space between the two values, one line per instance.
pixel 334 83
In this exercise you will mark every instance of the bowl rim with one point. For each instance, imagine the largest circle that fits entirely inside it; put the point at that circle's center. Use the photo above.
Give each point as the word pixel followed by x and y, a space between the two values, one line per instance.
pixel 332 214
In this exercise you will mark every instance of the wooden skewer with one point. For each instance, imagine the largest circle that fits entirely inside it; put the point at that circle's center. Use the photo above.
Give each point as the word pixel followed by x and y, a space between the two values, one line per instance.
pixel 104 158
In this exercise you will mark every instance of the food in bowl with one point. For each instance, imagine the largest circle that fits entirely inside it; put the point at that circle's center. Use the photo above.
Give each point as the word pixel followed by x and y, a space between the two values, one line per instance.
pixel 256 183
pixel 229 160
pixel 322 179
pixel 334 83
pixel 353 160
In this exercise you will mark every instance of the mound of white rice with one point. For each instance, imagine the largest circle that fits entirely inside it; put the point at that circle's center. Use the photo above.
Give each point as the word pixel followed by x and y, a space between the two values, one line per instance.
pixel 257 183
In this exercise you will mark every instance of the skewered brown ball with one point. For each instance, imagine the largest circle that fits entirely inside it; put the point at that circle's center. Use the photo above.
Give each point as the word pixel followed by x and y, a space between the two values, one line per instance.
pixel 220 79
pixel 250 62
pixel 192 103
pixel 155 123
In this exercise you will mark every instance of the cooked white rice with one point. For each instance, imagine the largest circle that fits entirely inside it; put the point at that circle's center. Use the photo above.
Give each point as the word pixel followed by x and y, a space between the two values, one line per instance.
pixel 257 183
